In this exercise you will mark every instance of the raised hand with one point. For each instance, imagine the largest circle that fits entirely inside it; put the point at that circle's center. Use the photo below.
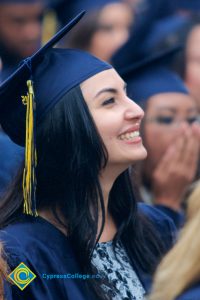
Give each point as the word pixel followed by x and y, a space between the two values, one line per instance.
pixel 177 168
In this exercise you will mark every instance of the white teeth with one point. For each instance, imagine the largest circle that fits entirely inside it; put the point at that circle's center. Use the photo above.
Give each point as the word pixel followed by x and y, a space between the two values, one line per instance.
pixel 129 135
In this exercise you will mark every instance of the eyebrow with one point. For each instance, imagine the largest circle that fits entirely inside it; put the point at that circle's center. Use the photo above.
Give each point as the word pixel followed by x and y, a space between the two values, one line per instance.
pixel 174 110
pixel 109 90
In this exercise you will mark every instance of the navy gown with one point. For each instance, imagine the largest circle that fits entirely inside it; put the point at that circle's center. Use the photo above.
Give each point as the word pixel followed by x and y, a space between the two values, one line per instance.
pixel 46 250
pixel 11 158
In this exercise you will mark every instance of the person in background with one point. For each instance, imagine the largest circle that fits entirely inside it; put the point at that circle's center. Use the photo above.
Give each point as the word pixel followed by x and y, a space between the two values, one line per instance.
pixel 192 62
pixel 146 14
pixel 20 32
pixel 66 9
pixel 185 31
pixel 176 30
pixel 104 30
pixel 20 37
pixel 156 29
pixel 170 130
pixel 82 216
pixel 161 28
pixel 178 275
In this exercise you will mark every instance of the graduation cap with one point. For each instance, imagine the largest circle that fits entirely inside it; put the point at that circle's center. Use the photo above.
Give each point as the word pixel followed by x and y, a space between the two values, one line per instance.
pixel 79 5
pixel 193 5
pixel 153 76
pixel 33 89
pixel 165 31
pixel 21 1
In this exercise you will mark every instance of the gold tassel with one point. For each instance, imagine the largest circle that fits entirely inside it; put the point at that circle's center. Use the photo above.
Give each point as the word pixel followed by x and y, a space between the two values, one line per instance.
pixel 29 176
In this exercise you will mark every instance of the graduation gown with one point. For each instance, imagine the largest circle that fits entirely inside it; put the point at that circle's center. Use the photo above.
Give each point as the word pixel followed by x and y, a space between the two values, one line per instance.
pixel 11 157
pixel 47 251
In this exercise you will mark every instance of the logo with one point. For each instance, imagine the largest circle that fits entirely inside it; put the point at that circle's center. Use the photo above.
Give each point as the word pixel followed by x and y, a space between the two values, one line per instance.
pixel 22 276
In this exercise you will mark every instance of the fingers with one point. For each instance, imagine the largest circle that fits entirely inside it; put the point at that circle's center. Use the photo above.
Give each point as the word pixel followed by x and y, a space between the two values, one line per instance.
pixel 190 155
pixel 181 157
pixel 173 156
pixel 166 160
pixel 178 166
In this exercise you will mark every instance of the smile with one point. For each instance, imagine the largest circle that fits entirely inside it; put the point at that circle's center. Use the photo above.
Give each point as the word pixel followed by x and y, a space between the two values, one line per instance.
pixel 129 135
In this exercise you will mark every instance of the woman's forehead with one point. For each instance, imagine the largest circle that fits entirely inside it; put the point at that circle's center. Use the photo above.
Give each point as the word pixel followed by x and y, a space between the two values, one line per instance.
pixel 170 101
pixel 105 79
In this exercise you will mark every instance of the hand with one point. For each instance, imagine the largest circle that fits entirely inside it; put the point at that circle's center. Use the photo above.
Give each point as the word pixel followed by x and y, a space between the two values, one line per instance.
pixel 177 168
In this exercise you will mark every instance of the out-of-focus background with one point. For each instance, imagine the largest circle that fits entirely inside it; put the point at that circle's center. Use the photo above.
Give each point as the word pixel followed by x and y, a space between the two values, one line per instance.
pixel 143 26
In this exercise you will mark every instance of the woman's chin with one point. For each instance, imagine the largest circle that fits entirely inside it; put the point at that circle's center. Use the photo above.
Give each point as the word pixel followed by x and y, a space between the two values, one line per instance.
pixel 144 153
pixel 137 157
pixel 140 154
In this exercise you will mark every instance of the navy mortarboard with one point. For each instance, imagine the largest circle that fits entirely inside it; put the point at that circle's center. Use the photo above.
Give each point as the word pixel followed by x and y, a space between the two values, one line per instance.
pixel 152 76
pixel 20 1
pixel 165 32
pixel 90 4
pixel 49 74
pixel 193 5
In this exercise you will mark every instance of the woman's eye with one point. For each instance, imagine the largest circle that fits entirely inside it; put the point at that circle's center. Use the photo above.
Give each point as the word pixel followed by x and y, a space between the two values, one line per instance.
pixel 109 101
pixel 164 120
pixel 192 119
pixel 106 27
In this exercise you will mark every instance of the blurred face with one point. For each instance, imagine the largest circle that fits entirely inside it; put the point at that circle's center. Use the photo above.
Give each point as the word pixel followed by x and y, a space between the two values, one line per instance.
pixel 116 116
pixel 192 78
pixel 164 117
pixel 20 28
pixel 113 30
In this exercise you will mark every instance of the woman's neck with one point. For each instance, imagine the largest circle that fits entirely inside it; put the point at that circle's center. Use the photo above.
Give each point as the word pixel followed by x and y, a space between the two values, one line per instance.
pixel 107 179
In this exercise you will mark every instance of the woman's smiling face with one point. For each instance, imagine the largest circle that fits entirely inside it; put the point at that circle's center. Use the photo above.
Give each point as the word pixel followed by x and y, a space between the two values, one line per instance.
pixel 116 116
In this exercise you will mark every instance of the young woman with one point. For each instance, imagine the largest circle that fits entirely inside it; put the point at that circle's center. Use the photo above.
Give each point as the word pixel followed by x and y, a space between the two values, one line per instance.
pixel 104 30
pixel 178 276
pixel 91 240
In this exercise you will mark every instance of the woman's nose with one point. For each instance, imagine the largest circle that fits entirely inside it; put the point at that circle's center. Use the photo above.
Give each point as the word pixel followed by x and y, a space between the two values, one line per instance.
pixel 133 110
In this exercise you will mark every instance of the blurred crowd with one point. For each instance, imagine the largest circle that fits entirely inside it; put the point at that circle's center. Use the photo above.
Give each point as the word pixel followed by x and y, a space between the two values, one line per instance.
pixel 155 47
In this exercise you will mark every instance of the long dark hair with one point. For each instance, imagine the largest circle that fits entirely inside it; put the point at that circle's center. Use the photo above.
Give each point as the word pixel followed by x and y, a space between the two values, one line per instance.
pixel 70 156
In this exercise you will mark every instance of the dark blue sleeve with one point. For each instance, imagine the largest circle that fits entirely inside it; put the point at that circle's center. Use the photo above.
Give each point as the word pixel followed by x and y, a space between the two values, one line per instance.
pixel 11 157
pixel 38 288
pixel 14 257
pixel 162 223
pixel 43 259
pixel 178 217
